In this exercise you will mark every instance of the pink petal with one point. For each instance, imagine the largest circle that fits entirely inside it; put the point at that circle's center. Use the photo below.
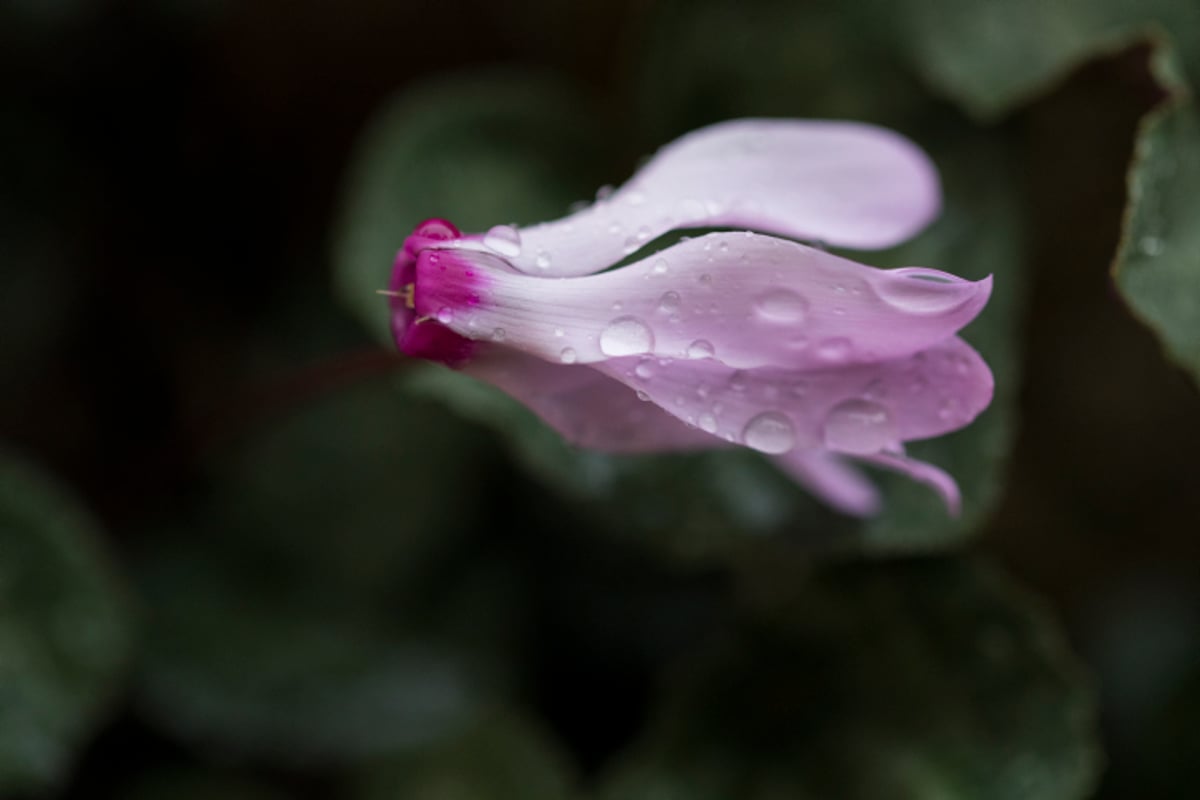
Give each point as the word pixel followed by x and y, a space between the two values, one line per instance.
pixel 844 183
pixel 744 299
pixel 926 473
pixel 587 408
pixel 858 410
pixel 831 479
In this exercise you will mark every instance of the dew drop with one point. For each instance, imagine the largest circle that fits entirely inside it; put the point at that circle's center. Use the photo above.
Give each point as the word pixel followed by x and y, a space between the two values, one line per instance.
pixel 708 423
pixel 499 335
pixel 951 410
pixel 770 432
pixel 660 267
pixel 737 381
pixel 644 370
pixel 859 427
pixel 568 355
pixel 635 198
pixel 706 280
pixel 559 333
pixel 543 260
pixel 781 305
pixel 835 349
pixel 701 348
pixel 643 233
pixel 645 398
pixel 445 315
pixel 669 303
pixel 626 336
pixel 504 239
pixel 922 291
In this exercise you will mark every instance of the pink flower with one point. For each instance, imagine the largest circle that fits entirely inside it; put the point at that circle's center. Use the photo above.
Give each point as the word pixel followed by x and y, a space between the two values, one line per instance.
pixel 726 339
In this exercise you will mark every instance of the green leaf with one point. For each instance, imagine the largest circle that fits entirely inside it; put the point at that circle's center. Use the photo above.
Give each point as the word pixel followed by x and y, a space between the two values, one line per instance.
pixel 992 57
pixel 334 597
pixel 502 757
pixel 65 631
pixel 481 150
pixel 917 679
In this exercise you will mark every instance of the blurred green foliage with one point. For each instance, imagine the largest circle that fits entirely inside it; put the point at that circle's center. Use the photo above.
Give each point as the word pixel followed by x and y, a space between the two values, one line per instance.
pixel 65 629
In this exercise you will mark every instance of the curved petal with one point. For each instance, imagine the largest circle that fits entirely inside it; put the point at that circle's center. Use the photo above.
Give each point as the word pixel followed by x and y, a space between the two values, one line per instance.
pixel 587 408
pixel 935 477
pixel 857 410
pixel 744 299
pixel 844 183
pixel 833 480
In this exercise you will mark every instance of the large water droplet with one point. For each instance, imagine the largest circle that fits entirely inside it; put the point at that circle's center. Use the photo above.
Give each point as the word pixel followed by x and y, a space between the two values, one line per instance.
pixel 504 239
pixel 859 427
pixel 701 348
pixel 568 355
pixel 781 305
pixel 770 432
pixel 922 291
pixel 626 336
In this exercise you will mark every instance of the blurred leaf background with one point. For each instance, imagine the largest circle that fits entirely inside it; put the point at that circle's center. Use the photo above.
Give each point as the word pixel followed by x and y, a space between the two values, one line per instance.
pixel 245 552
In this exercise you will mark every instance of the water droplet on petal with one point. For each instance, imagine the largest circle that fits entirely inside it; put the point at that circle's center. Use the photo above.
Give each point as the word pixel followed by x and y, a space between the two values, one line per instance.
pixel 643 233
pixel 770 432
pixel 543 260
pixel 559 333
pixel 568 355
pixel 499 335
pixel 781 305
pixel 445 315
pixel 706 280
pixel 660 267
pixel 669 302
pixel 922 291
pixel 701 348
pixel 708 423
pixel 859 427
pixel 626 336
pixel 836 349
pixel 504 239
pixel 737 381
pixel 951 410
pixel 645 398
pixel 644 370
pixel 635 198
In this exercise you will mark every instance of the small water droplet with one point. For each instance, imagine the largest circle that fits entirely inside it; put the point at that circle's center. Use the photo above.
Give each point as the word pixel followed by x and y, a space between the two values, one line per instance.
pixel 708 423
pixel 445 315
pixel 568 355
pixel 781 305
pixel 543 260
pixel 645 398
pixel 643 233
pixel 499 335
pixel 737 381
pixel 706 280
pixel 626 336
pixel 631 244
pixel 669 302
pixel 859 427
pixel 559 333
pixel 836 349
pixel 644 370
pixel 951 410
pixel 635 198
pixel 701 348
pixel 615 229
pixel 504 239
pixel 617 306
pixel 660 267
pixel 770 432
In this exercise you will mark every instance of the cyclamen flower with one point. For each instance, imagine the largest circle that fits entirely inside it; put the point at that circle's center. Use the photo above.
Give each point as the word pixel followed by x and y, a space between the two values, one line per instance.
pixel 736 338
